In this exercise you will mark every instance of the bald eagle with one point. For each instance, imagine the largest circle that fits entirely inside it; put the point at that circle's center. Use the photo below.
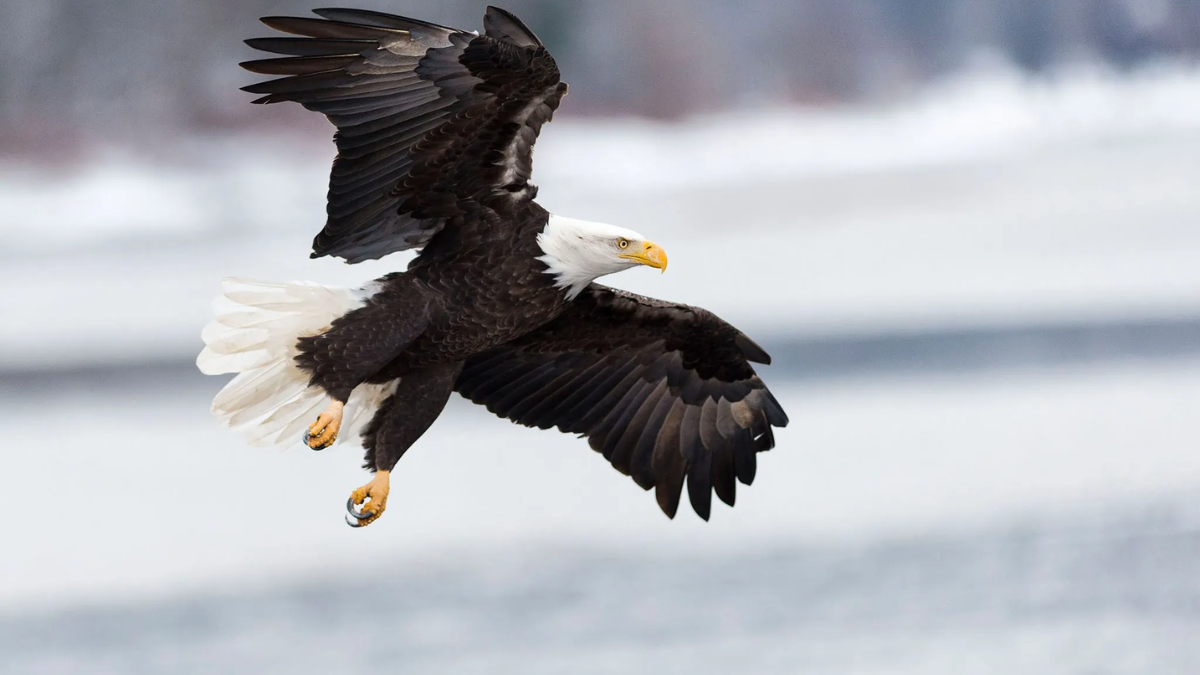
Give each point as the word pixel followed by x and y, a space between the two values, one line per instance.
pixel 435 135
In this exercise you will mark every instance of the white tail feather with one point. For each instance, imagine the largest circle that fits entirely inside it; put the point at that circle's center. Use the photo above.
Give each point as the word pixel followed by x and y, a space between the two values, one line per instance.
pixel 254 334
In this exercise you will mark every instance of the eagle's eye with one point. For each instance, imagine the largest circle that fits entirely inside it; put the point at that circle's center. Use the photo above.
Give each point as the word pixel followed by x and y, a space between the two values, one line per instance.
pixel 622 243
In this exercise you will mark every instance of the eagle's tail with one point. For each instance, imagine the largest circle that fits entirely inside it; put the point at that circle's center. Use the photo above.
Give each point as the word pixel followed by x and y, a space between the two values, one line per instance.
pixel 254 335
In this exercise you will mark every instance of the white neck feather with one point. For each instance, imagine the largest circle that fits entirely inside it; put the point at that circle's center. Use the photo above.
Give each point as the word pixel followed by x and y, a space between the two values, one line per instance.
pixel 578 251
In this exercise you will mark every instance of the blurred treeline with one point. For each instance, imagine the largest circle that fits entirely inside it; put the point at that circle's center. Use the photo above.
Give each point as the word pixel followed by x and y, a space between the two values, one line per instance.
pixel 129 69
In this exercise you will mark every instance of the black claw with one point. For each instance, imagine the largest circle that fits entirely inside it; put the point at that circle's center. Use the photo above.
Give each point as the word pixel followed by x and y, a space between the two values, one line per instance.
pixel 356 514
pixel 353 523
pixel 319 448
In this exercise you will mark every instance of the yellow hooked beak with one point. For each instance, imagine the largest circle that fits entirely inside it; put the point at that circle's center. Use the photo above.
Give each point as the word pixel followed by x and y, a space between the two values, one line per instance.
pixel 648 253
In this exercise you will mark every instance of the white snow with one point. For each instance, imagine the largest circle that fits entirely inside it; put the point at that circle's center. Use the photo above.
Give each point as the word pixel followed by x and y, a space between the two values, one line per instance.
pixel 215 184
pixel 986 201
pixel 975 117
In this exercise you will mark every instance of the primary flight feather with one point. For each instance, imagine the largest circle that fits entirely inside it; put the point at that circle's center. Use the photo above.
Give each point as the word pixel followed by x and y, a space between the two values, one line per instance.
pixel 435 135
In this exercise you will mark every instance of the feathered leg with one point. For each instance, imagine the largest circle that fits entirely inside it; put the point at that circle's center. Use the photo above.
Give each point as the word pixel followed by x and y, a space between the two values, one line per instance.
pixel 400 421
pixel 357 345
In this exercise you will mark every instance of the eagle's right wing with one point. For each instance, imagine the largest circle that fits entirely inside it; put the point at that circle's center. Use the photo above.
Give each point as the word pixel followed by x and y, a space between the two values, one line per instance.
pixel 664 391
pixel 428 117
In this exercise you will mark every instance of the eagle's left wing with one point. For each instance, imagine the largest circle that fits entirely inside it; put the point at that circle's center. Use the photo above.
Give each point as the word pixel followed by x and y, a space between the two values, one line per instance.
pixel 664 391
pixel 430 120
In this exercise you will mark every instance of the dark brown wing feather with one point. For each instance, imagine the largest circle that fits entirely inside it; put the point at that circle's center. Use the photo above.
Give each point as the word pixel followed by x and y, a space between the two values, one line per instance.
pixel 427 116
pixel 665 392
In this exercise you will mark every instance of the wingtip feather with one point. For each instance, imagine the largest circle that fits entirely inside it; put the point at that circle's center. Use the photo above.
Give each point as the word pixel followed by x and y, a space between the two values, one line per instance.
pixel 751 350
pixel 504 25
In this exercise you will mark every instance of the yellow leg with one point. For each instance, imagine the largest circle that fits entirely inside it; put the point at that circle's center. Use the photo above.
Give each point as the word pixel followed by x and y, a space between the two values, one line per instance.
pixel 377 492
pixel 322 433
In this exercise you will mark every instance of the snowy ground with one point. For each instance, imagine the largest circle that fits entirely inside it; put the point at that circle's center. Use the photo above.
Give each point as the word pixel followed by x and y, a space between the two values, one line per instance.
pixel 994 202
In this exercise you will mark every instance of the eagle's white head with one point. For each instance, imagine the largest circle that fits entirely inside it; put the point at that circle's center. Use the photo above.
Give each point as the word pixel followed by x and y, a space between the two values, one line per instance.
pixel 578 252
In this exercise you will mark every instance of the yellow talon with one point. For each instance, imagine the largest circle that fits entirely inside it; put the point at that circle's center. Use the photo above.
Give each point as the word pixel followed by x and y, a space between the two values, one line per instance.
pixel 377 493
pixel 322 433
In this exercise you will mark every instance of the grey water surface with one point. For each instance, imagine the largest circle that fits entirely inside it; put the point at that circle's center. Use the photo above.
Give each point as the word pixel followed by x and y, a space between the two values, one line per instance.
pixel 1115 593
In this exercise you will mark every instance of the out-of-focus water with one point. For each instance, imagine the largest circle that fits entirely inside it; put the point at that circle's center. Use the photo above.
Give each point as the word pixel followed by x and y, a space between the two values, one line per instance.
pixel 1040 521
pixel 1118 594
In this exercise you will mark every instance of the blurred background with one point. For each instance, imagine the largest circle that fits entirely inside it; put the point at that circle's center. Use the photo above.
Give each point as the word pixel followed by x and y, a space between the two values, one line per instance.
pixel 967 230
